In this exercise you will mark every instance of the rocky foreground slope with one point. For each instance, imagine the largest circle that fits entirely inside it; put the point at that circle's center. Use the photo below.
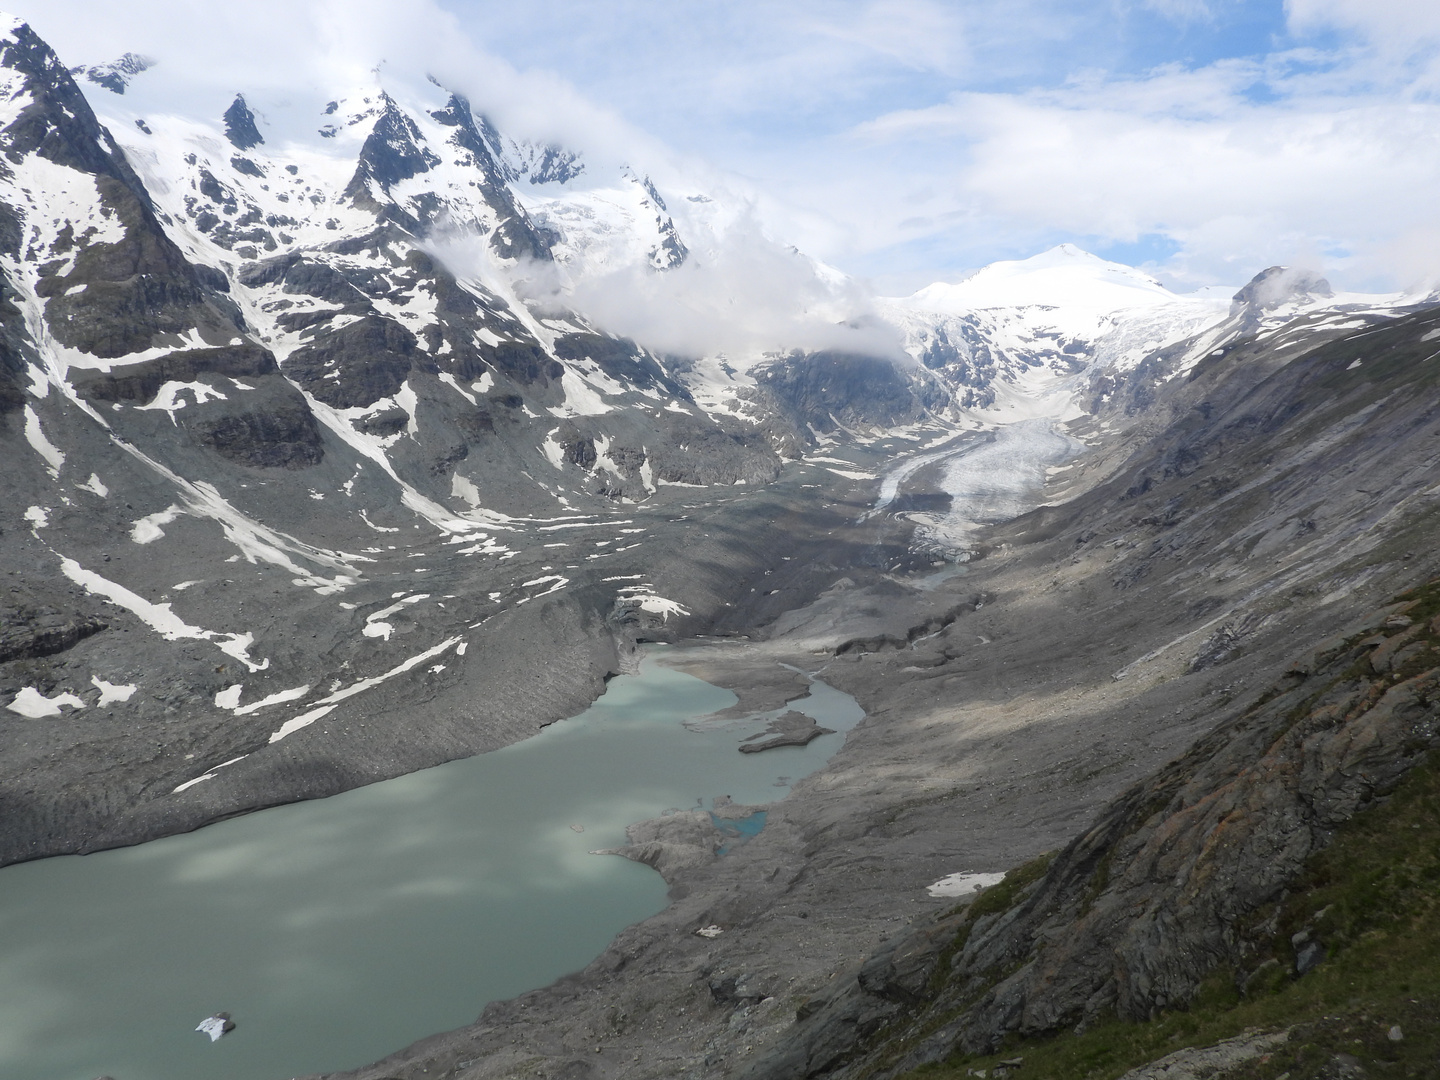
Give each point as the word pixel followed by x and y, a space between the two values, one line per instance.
pixel 1183 876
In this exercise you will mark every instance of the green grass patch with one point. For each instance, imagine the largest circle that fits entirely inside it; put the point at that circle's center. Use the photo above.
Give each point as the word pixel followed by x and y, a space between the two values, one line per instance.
pixel 1372 898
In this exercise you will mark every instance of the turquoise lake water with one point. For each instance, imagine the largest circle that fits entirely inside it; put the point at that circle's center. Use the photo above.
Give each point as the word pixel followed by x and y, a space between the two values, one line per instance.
pixel 339 930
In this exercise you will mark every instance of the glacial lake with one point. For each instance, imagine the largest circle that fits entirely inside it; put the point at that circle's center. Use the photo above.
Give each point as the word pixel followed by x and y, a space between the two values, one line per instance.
pixel 339 930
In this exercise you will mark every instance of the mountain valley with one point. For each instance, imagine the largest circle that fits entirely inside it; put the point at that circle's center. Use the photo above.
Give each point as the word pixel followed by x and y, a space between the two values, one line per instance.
pixel 321 474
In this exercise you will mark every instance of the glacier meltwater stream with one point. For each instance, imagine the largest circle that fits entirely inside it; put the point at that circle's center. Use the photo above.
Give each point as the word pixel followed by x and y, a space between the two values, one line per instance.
pixel 340 930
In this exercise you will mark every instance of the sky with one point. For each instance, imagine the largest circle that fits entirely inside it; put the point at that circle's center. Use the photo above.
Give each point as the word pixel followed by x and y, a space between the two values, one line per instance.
pixel 908 141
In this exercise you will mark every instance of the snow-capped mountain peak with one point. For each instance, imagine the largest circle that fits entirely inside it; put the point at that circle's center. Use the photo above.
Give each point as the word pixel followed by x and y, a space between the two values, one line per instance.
pixel 1059 311
pixel 1064 276
pixel 115 76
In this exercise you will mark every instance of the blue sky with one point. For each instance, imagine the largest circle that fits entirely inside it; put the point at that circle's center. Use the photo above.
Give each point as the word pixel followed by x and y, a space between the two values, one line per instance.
pixel 1224 135
pixel 756 73
pixel 910 140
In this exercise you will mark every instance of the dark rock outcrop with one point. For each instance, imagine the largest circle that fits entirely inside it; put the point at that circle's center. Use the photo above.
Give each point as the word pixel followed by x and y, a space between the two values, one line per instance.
pixel 515 235
pixel 792 729
pixel 28 631
pixel 357 364
pixel 116 75
pixel 824 391
pixel 115 297
pixel 140 381
pixel 240 126
pixel 268 427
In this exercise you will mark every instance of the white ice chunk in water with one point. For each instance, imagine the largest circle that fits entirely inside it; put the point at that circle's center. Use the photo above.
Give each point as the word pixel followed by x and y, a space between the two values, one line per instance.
pixel 963 884
pixel 216 1025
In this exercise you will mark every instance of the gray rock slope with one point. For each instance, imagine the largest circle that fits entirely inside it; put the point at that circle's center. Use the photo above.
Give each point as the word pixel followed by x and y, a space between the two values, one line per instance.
pixel 1171 883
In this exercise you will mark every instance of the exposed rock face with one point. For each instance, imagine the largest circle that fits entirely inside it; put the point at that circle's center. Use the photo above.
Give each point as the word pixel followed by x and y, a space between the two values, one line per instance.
pixel 251 409
pixel 141 381
pixel 242 408
pixel 356 365
pixel 393 151
pixel 970 364
pixel 13 346
pixel 240 126
pixel 27 632
pixel 829 390
pixel 672 843
pixel 1213 838
pixel 1278 285
pixel 1207 1062
pixel 792 729
pixel 516 235
pixel 138 284
pixel 240 396
pixel 671 251
pixel 116 75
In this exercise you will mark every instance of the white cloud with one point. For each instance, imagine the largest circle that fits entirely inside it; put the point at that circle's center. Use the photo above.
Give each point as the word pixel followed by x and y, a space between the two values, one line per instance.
pixel 895 136
pixel 289 57
pixel 741 294
pixel 911 33
pixel 1403 24
pixel 1181 10
pixel 1237 179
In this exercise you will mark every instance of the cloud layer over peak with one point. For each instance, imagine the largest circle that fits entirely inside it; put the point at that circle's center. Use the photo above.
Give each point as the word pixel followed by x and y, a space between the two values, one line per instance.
pixel 910 140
